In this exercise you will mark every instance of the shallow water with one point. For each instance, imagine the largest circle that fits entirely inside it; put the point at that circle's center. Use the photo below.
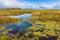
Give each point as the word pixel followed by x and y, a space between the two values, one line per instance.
pixel 22 16
pixel 20 25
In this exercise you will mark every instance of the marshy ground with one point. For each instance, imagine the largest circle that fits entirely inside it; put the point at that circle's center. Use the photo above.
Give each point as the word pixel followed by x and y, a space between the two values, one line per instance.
pixel 40 25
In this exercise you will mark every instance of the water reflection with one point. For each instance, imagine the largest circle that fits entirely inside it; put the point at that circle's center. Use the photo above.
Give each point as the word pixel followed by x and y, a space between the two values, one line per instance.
pixel 22 16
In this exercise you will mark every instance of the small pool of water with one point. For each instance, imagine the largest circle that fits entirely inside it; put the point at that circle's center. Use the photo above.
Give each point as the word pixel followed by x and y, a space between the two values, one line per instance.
pixel 22 16
pixel 16 27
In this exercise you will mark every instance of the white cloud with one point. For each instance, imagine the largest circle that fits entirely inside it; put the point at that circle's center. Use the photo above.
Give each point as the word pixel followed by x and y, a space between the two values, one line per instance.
pixel 24 5
pixel 15 3
pixel 57 6
pixel 10 3
pixel 47 6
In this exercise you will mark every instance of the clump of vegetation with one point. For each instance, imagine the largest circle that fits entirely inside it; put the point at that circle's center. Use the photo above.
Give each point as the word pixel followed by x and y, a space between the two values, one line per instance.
pixel 9 20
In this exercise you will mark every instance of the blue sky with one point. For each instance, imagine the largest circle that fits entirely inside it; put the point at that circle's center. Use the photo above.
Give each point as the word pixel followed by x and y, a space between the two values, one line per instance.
pixel 38 1
pixel 30 4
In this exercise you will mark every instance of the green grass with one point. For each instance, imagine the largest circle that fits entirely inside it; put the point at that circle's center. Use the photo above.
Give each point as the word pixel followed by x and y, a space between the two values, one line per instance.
pixel 48 24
